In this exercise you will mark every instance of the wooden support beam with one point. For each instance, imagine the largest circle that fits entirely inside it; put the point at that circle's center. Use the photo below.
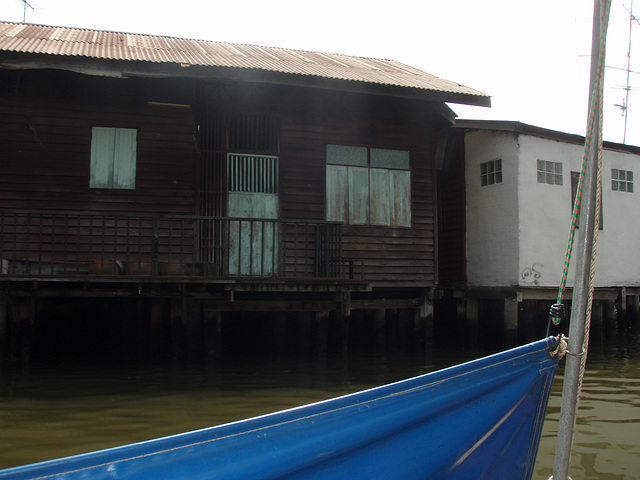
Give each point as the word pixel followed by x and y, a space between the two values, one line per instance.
pixel 511 307
pixel 425 315
pixel 4 306
pixel 212 331
pixel 322 343
pixel 471 330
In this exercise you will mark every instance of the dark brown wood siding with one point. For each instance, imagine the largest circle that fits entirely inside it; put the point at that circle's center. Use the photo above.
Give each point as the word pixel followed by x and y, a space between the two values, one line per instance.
pixel 45 137
pixel 390 257
pixel 452 215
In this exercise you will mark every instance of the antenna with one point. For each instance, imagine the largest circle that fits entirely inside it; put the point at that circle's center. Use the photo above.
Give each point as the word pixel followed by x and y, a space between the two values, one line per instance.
pixel 24 11
pixel 627 88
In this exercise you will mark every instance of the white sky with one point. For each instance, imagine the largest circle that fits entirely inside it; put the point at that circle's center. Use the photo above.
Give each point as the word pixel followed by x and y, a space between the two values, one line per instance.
pixel 531 56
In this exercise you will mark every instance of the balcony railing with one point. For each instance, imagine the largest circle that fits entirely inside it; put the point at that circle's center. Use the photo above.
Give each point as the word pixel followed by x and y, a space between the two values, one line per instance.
pixel 71 244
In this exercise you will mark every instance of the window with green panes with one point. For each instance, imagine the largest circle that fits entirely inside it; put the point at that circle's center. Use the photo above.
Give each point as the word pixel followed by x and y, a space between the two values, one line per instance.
pixel 368 186
pixel 113 157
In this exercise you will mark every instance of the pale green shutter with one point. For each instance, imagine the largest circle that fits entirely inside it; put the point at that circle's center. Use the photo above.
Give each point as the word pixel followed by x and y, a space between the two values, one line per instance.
pixel 358 196
pixel 381 197
pixel 337 195
pixel 124 160
pixel 102 150
pixel 400 192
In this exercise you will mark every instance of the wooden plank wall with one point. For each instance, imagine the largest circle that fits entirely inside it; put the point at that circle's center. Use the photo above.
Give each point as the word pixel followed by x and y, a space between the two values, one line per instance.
pixel 46 119
pixel 45 138
pixel 452 216
pixel 391 257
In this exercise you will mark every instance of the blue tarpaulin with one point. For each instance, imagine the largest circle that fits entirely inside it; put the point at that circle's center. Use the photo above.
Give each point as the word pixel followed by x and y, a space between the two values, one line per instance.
pixel 481 419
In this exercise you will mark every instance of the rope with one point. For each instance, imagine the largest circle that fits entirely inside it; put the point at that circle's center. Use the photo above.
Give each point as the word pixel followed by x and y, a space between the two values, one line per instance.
pixel 575 214
pixel 598 86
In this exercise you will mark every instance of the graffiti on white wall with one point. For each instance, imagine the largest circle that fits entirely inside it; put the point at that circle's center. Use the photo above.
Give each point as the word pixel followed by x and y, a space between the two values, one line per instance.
pixel 532 275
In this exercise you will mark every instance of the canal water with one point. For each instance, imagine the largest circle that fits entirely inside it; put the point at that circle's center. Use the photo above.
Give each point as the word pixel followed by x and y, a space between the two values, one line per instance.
pixel 53 411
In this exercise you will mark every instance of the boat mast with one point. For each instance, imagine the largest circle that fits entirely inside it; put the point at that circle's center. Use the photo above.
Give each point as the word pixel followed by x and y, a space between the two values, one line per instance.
pixel 585 259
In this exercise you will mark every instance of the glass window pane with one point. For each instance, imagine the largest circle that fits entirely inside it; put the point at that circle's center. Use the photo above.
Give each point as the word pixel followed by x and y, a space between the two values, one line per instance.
pixel 541 177
pixel 489 167
pixel 498 177
pixel 483 169
pixel 558 167
pixel 614 173
pixel 347 155
pixel 490 179
pixel 541 165
pixel 483 180
pixel 630 176
pixel 558 179
pixel 622 175
pixel 498 165
pixel 550 179
pixel 614 185
pixel 622 186
pixel 630 187
pixel 395 159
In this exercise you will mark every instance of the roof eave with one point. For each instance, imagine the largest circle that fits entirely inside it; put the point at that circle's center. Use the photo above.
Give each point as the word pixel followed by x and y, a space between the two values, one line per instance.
pixel 128 68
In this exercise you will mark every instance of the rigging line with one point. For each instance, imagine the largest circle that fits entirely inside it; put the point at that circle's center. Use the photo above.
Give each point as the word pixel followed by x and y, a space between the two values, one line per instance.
pixel 576 206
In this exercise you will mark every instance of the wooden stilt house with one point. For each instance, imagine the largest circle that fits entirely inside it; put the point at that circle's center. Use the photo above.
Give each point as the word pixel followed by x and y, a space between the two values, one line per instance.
pixel 147 165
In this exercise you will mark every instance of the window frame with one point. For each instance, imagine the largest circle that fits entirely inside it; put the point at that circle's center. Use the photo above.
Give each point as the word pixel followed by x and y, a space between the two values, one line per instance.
pixel 113 158
pixel 550 172
pixel 353 173
pixel 623 178
pixel 491 172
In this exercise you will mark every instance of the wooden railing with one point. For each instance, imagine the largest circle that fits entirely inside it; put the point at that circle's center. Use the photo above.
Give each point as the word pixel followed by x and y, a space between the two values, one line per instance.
pixel 72 244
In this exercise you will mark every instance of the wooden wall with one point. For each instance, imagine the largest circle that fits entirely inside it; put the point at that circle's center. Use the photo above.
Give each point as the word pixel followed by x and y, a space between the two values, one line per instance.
pixel 391 257
pixel 452 215
pixel 45 139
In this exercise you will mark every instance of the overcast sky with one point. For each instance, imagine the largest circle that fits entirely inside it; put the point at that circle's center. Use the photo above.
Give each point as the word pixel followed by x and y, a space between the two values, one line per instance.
pixel 531 56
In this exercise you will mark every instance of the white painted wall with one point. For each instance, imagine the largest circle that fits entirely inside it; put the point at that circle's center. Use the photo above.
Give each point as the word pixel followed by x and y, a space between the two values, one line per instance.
pixel 517 232
pixel 492 211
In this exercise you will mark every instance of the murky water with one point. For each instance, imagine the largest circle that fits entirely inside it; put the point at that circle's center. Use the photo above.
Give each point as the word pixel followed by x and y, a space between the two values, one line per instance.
pixel 47 412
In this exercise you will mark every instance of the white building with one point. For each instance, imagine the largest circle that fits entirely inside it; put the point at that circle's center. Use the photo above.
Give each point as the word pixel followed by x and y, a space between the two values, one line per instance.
pixel 519 192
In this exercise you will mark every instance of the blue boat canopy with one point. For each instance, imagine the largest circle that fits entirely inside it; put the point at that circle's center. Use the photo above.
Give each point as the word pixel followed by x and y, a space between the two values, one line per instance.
pixel 481 419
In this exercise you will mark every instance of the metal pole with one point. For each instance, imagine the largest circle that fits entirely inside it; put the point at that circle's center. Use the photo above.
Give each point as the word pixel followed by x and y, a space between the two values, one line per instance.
pixel 581 291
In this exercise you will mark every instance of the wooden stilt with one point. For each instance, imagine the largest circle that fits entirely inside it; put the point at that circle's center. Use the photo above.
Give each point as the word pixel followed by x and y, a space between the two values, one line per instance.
pixel 511 321
pixel 177 311
pixel 304 343
pixel 426 319
pixel 471 312
pixel 345 319
pixel 279 343
pixel 212 331
pixel 322 344
pixel 158 307
pixel 379 329
pixel 635 311
pixel 4 305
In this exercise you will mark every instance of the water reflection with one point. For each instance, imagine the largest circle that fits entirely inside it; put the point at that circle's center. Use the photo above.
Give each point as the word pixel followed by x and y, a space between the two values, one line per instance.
pixel 49 412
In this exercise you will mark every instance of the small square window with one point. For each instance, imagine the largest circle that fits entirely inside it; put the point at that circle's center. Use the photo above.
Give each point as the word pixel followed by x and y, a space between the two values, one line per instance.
pixel 490 172
pixel 621 180
pixel 549 172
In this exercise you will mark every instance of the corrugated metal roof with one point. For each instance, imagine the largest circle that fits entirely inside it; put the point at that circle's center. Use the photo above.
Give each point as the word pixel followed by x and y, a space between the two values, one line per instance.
pixel 76 42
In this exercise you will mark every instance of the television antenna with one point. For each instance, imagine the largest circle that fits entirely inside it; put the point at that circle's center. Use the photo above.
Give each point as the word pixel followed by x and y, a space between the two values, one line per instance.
pixel 24 11
pixel 627 88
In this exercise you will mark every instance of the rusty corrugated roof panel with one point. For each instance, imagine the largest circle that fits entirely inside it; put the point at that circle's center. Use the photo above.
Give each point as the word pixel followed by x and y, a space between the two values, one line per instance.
pixel 76 42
